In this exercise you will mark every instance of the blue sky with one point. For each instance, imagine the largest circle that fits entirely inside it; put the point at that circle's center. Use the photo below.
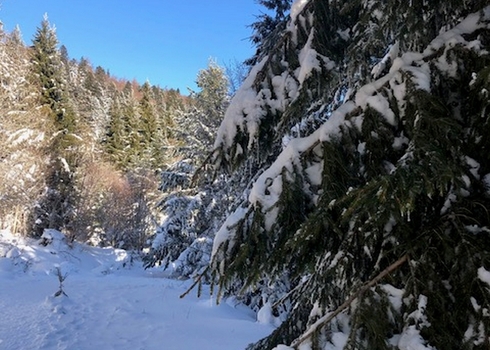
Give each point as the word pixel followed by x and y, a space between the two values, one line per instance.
pixel 164 41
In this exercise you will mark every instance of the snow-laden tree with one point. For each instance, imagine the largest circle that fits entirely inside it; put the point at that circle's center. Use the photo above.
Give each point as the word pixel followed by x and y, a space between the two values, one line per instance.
pixel 197 122
pixel 57 164
pixel 55 210
pixel 268 22
pixel 22 136
pixel 192 209
pixel 365 131
pixel 47 69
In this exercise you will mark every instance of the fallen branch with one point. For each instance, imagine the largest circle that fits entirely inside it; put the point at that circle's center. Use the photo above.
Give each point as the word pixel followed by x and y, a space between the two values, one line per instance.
pixel 329 317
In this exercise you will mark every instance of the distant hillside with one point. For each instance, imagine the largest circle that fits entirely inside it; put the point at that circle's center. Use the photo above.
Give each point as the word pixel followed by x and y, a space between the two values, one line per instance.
pixel 82 151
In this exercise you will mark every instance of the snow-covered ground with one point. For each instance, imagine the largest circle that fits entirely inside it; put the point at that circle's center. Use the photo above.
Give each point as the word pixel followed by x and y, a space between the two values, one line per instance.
pixel 110 303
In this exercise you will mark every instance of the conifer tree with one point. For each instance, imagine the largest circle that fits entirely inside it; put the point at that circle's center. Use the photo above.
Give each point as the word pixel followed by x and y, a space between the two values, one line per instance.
pixel 58 111
pixel 212 98
pixel 47 68
pixel 267 24
pixel 167 103
pixel 151 128
pixel 147 111
pixel 116 141
pixel 57 206
pixel 16 36
pixel 363 138
pixel 132 125
pixel 200 121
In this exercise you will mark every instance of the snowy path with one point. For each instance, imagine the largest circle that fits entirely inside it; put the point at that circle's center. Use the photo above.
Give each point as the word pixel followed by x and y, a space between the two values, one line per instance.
pixel 119 312
pixel 125 309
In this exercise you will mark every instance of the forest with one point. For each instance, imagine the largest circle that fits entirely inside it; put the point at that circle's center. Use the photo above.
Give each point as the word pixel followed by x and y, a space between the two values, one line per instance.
pixel 84 152
pixel 341 189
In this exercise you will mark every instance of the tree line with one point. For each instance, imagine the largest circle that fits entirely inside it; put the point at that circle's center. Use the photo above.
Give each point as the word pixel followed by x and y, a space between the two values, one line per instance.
pixel 83 152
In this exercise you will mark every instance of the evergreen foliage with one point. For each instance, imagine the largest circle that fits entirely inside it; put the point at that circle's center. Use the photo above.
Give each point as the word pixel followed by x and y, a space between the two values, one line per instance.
pixel 198 123
pixel 20 185
pixel 212 99
pixel 267 24
pixel 355 203
pixel 55 210
pixel 192 210
pixel 79 148
pixel 47 69
pixel 116 141
pixel 138 133
pixel 364 138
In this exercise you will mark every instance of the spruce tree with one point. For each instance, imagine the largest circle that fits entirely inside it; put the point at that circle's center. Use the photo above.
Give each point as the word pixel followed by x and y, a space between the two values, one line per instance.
pixel 192 209
pixel 197 121
pixel 363 132
pixel 148 114
pixel 151 130
pixel 56 208
pixel 16 36
pixel 267 24
pixel 212 98
pixel 116 143
pixel 132 127
pixel 47 67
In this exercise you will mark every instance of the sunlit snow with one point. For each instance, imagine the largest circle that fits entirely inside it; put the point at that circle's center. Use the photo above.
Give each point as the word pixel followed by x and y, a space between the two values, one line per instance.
pixel 111 303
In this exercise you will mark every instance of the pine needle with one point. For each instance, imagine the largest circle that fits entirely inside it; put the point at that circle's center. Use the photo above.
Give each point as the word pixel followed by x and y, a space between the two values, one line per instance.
pixel 329 317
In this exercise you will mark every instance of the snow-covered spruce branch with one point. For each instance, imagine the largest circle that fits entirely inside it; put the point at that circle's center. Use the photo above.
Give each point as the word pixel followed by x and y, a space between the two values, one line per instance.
pixel 329 317
pixel 196 282
pixel 199 170
pixel 291 292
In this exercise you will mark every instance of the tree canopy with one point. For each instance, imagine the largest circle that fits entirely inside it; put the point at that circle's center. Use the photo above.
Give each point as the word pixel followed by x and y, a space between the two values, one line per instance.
pixel 363 136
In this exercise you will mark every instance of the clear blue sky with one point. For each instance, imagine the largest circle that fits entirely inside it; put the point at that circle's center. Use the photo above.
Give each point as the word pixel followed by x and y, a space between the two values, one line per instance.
pixel 164 41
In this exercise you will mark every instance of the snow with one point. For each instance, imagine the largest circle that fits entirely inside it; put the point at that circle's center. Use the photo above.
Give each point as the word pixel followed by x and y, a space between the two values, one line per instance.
pixel 395 296
pixel 314 173
pixel 332 126
pixel 268 187
pixel 484 275
pixel 390 56
pixel 421 76
pixel 224 234
pixel 412 340
pixel 258 96
pixel 308 59
pixel 451 198
pixel 399 142
pixel 474 167
pixel 245 103
pixel 419 314
pixel 478 338
pixel 66 167
pixel 413 63
pixel 20 136
pixel 338 342
pixel 282 347
pixel 266 317
pixel 381 105
pixel 111 303
pixel 486 182
pixel 454 36
pixel 296 8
